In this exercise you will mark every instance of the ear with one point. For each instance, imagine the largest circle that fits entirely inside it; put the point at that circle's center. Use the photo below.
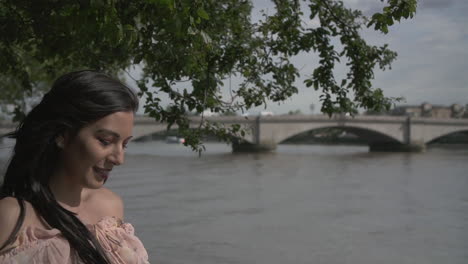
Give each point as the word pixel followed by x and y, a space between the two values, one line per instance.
pixel 60 141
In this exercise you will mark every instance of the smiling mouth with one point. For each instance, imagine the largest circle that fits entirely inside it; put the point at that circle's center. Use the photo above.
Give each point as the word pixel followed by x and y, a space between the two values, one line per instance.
pixel 104 173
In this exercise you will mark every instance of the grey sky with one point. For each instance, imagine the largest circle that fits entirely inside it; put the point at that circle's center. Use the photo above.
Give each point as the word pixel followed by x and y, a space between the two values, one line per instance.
pixel 432 58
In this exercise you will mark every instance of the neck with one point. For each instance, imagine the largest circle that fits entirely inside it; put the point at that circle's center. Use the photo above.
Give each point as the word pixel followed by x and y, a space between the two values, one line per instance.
pixel 67 193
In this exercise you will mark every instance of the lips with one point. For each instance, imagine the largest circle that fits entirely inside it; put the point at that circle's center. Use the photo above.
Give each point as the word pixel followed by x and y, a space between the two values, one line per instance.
pixel 104 173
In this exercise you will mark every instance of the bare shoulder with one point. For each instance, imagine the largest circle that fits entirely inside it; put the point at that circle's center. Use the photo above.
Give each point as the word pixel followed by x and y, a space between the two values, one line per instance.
pixel 9 213
pixel 104 202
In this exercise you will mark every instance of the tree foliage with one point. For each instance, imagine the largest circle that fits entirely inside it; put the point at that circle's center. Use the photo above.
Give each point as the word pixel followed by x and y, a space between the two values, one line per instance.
pixel 187 49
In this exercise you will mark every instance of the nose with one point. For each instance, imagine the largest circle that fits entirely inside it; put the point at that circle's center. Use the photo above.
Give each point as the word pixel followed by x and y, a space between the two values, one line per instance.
pixel 118 156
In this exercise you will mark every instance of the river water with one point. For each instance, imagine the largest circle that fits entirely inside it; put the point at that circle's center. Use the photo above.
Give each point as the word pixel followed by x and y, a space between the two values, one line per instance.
pixel 300 204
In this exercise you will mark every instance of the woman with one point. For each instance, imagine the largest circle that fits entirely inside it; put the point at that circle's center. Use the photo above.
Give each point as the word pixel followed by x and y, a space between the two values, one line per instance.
pixel 53 207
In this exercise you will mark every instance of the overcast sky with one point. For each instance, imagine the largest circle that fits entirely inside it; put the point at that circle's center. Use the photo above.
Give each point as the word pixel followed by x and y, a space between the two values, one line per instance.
pixel 432 63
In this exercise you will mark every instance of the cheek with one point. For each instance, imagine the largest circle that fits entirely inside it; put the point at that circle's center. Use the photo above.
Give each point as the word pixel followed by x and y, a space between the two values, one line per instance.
pixel 92 152
pixel 86 154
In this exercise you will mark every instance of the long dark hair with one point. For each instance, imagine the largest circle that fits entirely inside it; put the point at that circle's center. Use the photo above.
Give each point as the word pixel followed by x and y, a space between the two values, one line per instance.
pixel 75 100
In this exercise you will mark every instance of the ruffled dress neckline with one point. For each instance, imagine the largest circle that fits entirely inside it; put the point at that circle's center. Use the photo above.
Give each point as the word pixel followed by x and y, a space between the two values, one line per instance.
pixel 39 245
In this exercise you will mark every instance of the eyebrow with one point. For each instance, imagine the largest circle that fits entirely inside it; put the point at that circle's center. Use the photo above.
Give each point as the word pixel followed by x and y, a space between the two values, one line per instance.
pixel 107 131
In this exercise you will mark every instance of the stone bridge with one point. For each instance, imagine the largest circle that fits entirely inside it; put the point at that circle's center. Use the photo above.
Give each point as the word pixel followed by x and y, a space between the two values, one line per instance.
pixel 384 133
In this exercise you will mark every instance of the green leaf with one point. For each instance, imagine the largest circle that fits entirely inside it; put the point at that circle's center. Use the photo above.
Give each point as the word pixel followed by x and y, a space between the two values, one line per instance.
pixel 202 13
pixel 389 21
pixel 384 29
pixel 205 37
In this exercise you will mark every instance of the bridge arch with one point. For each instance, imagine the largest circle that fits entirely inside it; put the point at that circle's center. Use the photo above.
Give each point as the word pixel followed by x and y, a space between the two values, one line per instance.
pixel 436 136
pixel 366 134
pixel 373 132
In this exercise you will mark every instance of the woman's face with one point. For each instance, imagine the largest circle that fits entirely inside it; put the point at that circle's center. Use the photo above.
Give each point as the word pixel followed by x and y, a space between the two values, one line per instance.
pixel 89 157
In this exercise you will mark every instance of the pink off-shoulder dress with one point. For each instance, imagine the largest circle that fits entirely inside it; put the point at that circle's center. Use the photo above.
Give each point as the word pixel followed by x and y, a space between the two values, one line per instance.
pixel 36 245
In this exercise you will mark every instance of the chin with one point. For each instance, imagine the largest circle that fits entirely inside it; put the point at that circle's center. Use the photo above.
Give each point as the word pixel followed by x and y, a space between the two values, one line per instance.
pixel 94 180
pixel 94 183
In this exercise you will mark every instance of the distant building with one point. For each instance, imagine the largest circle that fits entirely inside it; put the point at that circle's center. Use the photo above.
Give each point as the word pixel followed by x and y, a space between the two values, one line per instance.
pixel 428 110
pixel 266 113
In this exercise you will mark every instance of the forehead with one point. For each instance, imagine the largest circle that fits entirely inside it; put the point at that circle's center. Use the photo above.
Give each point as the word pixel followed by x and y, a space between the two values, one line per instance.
pixel 118 122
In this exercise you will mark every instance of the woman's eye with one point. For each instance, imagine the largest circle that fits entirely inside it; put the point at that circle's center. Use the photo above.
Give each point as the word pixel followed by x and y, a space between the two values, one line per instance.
pixel 104 142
